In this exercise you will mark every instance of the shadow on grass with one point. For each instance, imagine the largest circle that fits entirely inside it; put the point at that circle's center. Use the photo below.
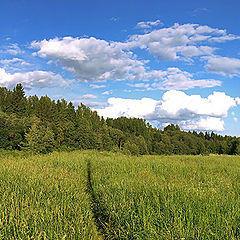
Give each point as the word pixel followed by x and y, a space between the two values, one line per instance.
pixel 104 224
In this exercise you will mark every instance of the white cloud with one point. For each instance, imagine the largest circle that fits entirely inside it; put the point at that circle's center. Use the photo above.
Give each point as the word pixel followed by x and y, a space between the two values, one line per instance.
pixel 95 60
pixel 88 96
pixel 192 51
pixel 14 49
pixel 35 79
pixel 179 41
pixel 175 79
pixel 149 24
pixel 18 61
pixel 204 124
pixel 235 119
pixel 91 59
pixel 107 92
pixel 96 86
pixel 223 65
pixel 177 105
pixel 128 107
pixel 225 38
pixel 190 111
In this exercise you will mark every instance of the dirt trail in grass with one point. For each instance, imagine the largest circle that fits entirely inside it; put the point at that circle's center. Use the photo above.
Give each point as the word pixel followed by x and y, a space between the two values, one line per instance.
pixel 102 218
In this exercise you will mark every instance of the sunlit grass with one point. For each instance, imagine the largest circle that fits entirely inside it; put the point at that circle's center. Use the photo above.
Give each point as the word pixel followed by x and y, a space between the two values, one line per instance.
pixel 170 197
pixel 94 195
pixel 44 197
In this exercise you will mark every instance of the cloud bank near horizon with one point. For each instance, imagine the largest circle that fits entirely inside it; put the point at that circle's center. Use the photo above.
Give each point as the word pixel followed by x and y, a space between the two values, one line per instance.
pixel 191 112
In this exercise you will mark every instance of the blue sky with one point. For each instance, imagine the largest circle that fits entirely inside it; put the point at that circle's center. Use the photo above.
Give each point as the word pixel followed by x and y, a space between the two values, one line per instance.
pixel 165 61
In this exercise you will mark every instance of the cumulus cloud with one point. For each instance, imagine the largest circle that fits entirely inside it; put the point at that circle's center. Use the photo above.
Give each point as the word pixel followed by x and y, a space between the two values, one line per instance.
pixel 177 105
pixel 175 79
pixel 204 124
pixel 180 41
pixel 97 60
pixel 223 65
pixel 35 79
pixel 118 107
pixel 190 111
pixel 149 24
pixel 91 59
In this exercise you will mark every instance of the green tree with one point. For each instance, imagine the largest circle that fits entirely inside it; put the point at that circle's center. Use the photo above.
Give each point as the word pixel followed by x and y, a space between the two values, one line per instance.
pixel 132 148
pixel 40 138
pixel 18 101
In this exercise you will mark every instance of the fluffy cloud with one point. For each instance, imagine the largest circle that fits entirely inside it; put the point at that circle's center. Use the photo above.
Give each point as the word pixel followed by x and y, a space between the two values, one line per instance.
pixel 97 60
pixel 176 105
pixel 128 107
pixel 174 78
pixel 204 124
pixel 91 59
pixel 190 111
pixel 223 65
pixel 38 79
pixel 179 41
pixel 149 24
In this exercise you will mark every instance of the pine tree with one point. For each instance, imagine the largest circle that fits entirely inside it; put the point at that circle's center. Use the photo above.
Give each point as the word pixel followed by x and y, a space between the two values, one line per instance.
pixel 18 101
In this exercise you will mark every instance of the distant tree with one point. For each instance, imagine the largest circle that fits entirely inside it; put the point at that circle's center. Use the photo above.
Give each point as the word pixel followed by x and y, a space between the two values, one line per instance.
pixel 4 133
pixel 131 148
pixel 40 138
pixel 17 101
pixel 43 124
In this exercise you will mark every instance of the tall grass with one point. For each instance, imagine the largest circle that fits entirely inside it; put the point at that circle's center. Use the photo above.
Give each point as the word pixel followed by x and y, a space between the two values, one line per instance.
pixel 93 195
pixel 44 197
pixel 169 197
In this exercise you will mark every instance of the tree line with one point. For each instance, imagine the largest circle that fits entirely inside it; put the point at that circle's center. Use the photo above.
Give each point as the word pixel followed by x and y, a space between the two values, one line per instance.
pixel 43 125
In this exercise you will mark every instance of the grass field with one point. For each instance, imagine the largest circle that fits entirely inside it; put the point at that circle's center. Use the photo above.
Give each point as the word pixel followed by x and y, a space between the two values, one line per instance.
pixel 93 195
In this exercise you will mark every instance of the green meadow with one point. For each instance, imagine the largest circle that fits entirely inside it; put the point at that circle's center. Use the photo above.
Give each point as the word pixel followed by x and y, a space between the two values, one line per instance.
pixel 103 195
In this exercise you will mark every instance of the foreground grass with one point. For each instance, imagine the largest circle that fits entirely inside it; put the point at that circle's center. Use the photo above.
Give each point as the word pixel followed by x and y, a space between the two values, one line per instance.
pixel 169 197
pixel 92 195
pixel 44 197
